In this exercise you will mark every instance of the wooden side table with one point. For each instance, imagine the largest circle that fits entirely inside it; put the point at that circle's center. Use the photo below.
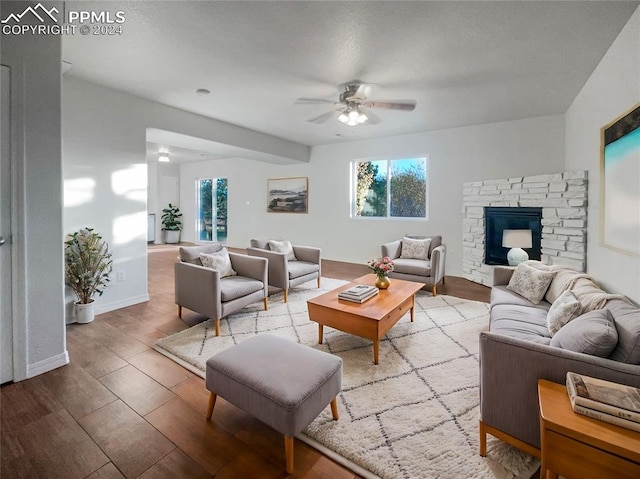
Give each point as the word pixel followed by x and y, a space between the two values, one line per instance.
pixel 577 446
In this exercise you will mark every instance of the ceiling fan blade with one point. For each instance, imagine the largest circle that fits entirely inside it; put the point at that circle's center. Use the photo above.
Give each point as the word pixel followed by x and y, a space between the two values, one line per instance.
pixel 373 119
pixel 312 101
pixel 363 91
pixel 322 118
pixel 406 105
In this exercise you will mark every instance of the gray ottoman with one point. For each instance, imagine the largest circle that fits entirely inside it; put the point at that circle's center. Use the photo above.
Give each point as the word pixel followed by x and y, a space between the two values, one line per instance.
pixel 281 383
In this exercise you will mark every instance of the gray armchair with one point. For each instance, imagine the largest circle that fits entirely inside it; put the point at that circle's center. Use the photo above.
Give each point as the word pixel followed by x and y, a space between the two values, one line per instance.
pixel 285 274
pixel 202 290
pixel 429 271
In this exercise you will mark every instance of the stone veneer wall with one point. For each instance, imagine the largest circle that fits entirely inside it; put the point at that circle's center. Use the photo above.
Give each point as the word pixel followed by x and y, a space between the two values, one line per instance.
pixel 563 198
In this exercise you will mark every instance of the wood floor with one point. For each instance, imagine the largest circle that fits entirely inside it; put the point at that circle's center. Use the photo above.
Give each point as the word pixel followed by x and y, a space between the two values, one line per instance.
pixel 119 409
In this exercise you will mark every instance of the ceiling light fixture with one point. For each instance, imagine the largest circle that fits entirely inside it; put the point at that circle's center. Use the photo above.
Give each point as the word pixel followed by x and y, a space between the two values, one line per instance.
pixel 202 92
pixel 163 155
pixel 353 116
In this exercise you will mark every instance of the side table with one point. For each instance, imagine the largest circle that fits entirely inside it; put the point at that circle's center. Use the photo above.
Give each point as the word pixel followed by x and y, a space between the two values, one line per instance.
pixel 577 446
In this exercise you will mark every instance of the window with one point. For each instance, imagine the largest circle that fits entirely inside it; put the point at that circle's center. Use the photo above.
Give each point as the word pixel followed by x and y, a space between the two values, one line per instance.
pixel 390 188
pixel 211 207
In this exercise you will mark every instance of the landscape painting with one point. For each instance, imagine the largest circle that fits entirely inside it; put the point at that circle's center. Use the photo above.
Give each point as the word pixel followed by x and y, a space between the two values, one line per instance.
pixel 288 195
pixel 620 188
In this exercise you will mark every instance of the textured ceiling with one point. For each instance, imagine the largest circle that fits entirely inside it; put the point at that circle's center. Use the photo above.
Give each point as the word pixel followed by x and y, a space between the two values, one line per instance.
pixel 465 63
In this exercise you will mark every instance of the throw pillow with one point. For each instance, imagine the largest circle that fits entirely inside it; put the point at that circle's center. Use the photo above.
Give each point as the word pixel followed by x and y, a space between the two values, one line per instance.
pixel 219 262
pixel 415 248
pixel 563 310
pixel 530 283
pixel 593 333
pixel 559 284
pixel 283 247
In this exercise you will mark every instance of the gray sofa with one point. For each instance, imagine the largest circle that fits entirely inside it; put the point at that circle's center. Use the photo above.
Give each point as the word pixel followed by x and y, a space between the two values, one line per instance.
pixel 429 271
pixel 518 350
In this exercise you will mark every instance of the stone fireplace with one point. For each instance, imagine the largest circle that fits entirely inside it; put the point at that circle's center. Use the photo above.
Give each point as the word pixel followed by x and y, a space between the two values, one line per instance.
pixel 562 200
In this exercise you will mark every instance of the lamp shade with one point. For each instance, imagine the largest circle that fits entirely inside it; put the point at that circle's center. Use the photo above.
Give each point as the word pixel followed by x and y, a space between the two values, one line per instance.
pixel 516 238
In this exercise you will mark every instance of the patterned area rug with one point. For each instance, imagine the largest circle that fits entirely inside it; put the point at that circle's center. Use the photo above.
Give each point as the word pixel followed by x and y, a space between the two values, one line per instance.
pixel 415 415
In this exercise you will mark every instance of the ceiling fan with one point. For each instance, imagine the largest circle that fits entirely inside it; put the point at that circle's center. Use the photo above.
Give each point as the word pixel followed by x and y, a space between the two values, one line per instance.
pixel 353 105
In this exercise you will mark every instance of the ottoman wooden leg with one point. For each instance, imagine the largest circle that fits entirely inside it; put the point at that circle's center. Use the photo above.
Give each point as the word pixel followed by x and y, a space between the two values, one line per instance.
pixel 483 439
pixel 334 408
pixel 180 311
pixel 288 452
pixel 212 402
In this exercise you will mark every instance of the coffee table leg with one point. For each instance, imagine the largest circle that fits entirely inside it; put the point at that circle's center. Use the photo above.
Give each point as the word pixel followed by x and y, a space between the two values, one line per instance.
pixel 319 333
pixel 376 351
pixel 413 306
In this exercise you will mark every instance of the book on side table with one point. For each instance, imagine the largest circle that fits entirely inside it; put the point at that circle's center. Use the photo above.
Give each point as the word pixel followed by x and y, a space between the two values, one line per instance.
pixel 358 293
pixel 605 400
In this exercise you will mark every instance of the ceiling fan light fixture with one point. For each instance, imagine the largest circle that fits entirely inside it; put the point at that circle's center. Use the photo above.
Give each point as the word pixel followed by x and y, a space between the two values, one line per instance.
pixel 352 116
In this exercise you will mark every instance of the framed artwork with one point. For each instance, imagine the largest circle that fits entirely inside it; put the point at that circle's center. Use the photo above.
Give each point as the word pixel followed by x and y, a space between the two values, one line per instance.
pixel 288 195
pixel 620 183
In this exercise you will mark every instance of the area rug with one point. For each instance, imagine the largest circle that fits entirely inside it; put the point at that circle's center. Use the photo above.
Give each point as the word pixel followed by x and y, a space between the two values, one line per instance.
pixel 415 415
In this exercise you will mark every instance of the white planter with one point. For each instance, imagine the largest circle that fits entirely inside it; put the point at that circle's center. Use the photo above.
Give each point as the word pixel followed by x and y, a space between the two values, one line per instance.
pixel 84 312
pixel 171 236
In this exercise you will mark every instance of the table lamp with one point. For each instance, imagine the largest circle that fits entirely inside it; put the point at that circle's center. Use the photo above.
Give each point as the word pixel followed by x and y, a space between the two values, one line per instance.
pixel 516 240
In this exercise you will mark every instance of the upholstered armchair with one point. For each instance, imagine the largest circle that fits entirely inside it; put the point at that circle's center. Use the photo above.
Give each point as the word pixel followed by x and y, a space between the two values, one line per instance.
pixel 418 258
pixel 211 292
pixel 289 265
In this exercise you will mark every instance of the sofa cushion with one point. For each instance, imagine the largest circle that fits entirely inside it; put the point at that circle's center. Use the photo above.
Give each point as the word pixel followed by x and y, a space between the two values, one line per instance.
pixel 301 268
pixel 559 284
pixel 530 282
pixel 284 247
pixel 234 287
pixel 191 254
pixel 627 320
pixel 563 310
pixel 502 295
pixel 520 322
pixel 435 241
pixel 417 267
pixel 261 244
pixel 218 261
pixel 415 248
pixel 592 333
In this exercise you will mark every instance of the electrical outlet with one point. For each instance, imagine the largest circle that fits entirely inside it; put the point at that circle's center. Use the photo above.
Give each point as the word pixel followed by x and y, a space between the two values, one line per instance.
pixel 120 276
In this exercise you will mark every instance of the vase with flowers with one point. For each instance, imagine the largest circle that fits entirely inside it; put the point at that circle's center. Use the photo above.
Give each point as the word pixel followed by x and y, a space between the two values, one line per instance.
pixel 381 268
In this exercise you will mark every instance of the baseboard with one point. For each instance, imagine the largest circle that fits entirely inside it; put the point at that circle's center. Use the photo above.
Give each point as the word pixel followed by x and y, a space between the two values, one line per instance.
pixel 106 307
pixel 47 365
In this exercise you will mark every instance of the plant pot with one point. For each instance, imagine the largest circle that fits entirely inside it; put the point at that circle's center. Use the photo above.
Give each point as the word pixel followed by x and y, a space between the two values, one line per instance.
pixel 84 312
pixel 171 236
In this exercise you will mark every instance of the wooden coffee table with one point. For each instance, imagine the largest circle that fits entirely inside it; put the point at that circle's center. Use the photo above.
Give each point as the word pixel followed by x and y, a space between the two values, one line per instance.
pixel 371 319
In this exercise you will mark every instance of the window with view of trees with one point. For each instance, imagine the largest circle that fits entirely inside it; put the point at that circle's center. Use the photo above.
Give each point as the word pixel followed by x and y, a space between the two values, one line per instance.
pixel 212 209
pixel 390 188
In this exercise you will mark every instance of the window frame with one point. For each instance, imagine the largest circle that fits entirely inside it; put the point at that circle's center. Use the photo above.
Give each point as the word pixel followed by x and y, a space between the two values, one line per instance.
pixel 389 165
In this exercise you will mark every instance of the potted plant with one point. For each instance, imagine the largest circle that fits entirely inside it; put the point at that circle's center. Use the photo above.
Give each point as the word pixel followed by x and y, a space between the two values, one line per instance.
pixel 171 224
pixel 87 267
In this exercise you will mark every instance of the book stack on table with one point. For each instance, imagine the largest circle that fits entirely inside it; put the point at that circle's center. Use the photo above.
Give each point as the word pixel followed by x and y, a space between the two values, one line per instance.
pixel 358 293
pixel 604 400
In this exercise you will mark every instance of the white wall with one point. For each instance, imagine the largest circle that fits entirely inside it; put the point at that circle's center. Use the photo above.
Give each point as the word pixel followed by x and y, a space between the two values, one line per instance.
pixel 515 148
pixel 612 89
pixel 38 266
pixel 105 172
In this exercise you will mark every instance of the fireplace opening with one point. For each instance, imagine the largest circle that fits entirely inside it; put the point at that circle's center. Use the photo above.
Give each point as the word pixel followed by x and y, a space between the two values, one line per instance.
pixel 498 219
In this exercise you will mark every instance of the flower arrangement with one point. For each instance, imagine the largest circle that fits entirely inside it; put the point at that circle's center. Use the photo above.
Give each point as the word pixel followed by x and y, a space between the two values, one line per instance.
pixel 381 267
